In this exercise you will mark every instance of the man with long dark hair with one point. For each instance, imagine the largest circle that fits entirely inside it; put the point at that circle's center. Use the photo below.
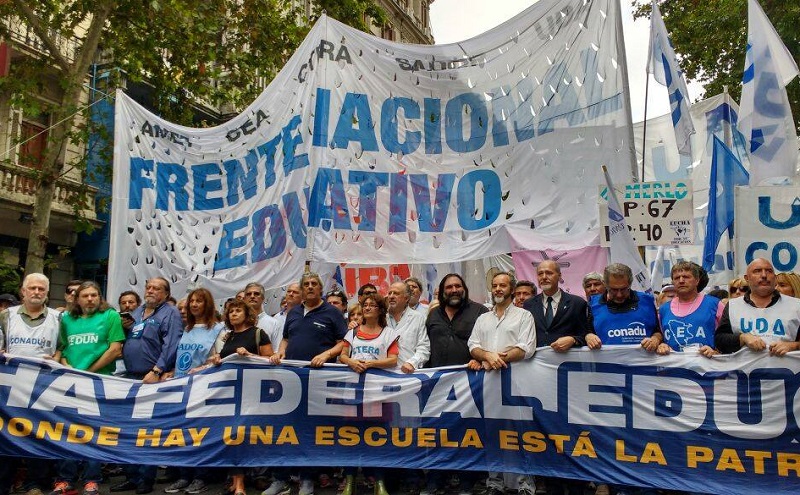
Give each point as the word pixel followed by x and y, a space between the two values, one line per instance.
pixel 91 339
pixel 449 329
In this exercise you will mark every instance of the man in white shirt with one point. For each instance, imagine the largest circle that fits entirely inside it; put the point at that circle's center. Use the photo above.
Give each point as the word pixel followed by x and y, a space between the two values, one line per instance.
pixel 501 336
pixel 415 347
pixel 254 296
pixel 415 286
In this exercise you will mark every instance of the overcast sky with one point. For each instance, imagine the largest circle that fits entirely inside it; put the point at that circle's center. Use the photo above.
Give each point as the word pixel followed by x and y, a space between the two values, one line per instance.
pixel 457 20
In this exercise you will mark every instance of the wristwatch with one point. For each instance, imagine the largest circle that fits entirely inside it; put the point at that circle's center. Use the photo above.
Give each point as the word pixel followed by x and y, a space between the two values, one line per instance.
pixel 157 372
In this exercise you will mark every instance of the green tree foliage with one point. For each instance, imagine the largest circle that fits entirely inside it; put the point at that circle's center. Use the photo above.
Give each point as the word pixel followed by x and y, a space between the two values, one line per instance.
pixel 711 39
pixel 215 52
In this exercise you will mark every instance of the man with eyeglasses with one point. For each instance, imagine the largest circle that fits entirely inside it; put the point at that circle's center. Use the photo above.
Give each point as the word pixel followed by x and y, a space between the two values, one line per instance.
pixel 622 316
pixel 415 286
pixel 254 297
pixel 415 347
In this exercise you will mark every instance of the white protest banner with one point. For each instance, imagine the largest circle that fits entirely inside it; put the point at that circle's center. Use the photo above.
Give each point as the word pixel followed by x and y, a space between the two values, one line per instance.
pixel 368 151
pixel 767 225
pixel 657 213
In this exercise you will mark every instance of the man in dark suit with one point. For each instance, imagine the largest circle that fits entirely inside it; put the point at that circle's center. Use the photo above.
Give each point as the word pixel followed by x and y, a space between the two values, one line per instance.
pixel 562 322
pixel 562 319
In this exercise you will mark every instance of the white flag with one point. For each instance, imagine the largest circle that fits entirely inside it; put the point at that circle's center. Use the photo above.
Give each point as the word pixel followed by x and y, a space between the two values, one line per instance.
pixel 765 116
pixel 623 250
pixel 663 64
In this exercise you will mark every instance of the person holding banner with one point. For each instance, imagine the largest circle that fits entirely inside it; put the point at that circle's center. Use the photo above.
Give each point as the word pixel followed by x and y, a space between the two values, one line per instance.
pixel 762 319
pixel 502 336
pixel 315 332
pixel 149 352
pixel 30 330
pixel 371 345
pixel 622 316
pixel 449 327
pixel 415 347
pixel 561 319
pixel 90 339
pixel 688 321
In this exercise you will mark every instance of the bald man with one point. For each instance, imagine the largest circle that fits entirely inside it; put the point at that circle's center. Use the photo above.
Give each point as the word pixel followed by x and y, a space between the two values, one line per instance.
pixel 762 319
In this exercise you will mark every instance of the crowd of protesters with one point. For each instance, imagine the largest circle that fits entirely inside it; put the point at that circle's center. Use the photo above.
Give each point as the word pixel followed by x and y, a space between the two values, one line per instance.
pixel 153 337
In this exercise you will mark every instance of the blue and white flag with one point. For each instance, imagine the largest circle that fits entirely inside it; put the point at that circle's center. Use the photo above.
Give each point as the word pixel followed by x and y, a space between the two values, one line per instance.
pixel 663 64
pixel 726 173
pixel 766 117
pixel 622 248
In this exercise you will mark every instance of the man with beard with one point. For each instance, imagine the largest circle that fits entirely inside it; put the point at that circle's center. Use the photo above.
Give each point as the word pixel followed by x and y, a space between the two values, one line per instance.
pixel 561 319
pixel 502 336
pixel 30 330
pixel 254 297
pixel 449 329
pixel 91 339
pixel 149 352
pixel 415 348
pixel 779 316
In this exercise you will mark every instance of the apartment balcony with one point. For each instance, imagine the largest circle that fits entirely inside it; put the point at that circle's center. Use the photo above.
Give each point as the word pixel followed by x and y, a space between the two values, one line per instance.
pixel 25 40
pixel 17 194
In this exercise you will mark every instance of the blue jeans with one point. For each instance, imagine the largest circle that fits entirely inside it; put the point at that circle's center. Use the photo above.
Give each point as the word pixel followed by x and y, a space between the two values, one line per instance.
pixel 140 474
pixel 68 471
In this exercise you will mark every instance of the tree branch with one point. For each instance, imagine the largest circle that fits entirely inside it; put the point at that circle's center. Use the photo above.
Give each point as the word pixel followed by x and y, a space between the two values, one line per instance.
pixel 43 34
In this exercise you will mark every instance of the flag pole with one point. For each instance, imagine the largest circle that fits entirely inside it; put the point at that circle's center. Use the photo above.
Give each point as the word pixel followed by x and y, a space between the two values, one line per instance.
pixel 626 86
pixel 644 126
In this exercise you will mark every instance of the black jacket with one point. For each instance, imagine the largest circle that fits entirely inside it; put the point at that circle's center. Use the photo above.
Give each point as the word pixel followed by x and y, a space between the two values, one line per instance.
pixel 571 318
pixel 449 337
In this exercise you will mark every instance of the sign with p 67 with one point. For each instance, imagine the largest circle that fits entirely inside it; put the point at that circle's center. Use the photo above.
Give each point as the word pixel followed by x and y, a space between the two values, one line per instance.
pixel 657 213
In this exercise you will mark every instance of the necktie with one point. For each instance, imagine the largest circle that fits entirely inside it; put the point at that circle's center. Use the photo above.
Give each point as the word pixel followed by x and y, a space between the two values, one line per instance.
pixel 548 314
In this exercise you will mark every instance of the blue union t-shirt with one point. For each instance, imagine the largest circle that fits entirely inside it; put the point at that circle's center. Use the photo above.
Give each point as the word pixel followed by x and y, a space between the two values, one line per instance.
pixel 313 333
pixel 626 327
